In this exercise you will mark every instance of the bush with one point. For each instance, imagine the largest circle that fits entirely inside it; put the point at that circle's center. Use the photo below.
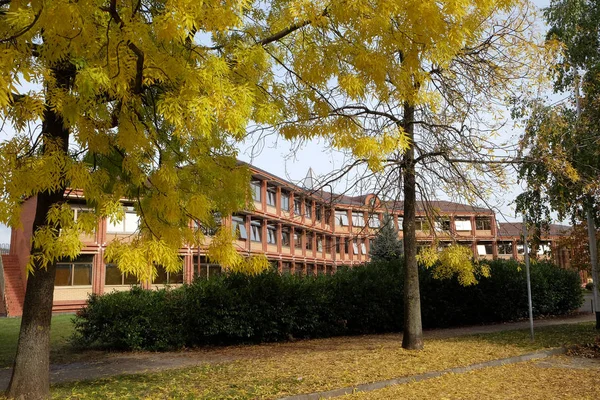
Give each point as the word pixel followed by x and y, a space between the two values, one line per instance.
pixel 268 307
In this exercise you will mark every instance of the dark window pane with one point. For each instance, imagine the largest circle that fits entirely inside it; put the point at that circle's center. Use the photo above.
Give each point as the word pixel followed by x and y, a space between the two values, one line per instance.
pixel 130 279
pixel 161 278
pixel 113 275
pixel 82 274
pixel 214 270
pixel 63 275
pixel 176 277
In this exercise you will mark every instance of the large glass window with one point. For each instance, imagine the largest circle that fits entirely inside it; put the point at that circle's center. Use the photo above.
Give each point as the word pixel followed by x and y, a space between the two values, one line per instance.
pixel 114 276
pixel 129 224
pixel 483 224
pixel 308 209
pixel 341 218
pixel 203 269
pixel 255 231
pixel 285 236
pixel 256 190
pixel 210 228
pixel 463 224
pixel 271 195
pixel 422 224
pixel 363 248
pixel 337 245
pixel 271 234
pixel 319 243
pixel 238 225
pixel 285 201
pixel 75 273
pixel 442 224
pixel 485 249
pixel 297 207
pixel 374 221
pixel 505 248
pixel 318 212
pixel 163 277
pixel 358 219
pixel 355 246
pixel 309 241
pixel 297 240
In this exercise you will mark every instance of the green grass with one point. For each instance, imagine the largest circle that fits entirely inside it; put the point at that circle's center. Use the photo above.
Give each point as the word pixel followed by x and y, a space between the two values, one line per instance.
pixel 61 331
pixel 276 370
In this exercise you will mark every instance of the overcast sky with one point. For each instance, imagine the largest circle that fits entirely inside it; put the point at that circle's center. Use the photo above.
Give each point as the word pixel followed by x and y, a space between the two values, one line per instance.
pixel 292 162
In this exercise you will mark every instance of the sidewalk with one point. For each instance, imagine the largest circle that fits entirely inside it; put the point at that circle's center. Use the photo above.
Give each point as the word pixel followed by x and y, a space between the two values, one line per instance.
pixel 111 364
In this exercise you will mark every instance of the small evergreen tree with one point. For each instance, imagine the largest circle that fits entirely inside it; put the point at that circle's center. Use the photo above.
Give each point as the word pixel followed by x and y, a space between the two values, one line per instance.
pixel 386 246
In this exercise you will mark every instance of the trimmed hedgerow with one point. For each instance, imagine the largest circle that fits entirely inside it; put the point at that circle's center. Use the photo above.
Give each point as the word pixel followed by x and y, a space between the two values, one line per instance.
pixel 268 307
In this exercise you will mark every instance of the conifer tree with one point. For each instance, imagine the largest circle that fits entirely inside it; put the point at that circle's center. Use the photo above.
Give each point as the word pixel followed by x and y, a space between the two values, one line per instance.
pixel 386 245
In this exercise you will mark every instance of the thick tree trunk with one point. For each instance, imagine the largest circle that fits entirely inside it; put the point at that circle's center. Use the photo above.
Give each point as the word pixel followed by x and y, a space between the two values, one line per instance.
pixel 412 338
pixel 31 369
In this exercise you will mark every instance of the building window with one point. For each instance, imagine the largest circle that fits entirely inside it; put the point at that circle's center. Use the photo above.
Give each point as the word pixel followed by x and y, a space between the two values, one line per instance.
pixel 255 234
pixel 286 268
pixel 355 246
pixel 358 219
pixel 271 234
pixel 442 224
pixel 310 269
pixel 505 248
pixel 309 240
pixel 205 270
pixel 328 244
pixel 114 277
pixel 363 248
pixel 346 246
pixel 271 196
pixel 462 224
pixel 484 249
pixel 299 269
pixel 318 212
pixel 341 218
pixel 255 186
pixel 483 224
pixel 319 244
pixel 75 273
pixel 285 236
pixel 129 224
pixel 422 224
pixel 337 245
pixel 238 226
pixel 210 228
pixel 297 240
pixel 308 209
pixel 285 201
pixel 327 216
pixel 164 277
pixel 297 207
pixel 374 221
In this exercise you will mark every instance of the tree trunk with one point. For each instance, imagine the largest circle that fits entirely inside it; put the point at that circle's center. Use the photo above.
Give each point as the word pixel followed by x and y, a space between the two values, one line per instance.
pixel 593 257
pixel 412 337
pixel 31 369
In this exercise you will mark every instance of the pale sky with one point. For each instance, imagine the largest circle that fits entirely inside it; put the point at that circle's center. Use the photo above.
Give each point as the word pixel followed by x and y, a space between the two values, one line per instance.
pixel 292 162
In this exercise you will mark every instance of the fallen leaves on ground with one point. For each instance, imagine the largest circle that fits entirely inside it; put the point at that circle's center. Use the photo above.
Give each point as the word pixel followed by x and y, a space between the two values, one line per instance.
pixel 534 380
pixel 276 370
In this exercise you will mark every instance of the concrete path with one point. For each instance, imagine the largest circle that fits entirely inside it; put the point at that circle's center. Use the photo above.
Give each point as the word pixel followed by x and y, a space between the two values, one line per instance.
pixel 111 364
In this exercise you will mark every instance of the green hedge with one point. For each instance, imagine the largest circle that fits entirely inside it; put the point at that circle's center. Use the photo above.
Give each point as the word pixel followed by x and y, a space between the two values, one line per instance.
pixel 268 307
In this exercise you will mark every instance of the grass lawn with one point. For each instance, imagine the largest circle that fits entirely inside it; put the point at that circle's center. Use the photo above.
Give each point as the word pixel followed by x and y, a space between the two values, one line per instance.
pixel 61 330
pixel 275 370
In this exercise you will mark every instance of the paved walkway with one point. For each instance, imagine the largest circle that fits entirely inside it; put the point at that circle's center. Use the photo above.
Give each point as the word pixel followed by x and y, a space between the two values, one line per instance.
pixel 111 364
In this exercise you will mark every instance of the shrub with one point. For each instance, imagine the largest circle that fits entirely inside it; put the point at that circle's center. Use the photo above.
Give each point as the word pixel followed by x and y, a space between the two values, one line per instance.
pixel 268 307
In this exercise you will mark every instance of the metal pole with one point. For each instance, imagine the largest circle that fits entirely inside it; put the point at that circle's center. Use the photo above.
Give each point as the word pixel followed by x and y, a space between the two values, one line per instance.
pixel 526 252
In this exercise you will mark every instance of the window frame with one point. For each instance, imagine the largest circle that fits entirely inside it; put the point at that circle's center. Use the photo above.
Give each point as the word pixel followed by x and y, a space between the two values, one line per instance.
pixel 256 231
pixel 256 187
pixel 271 234
pixel 238 225
pixel 271 196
